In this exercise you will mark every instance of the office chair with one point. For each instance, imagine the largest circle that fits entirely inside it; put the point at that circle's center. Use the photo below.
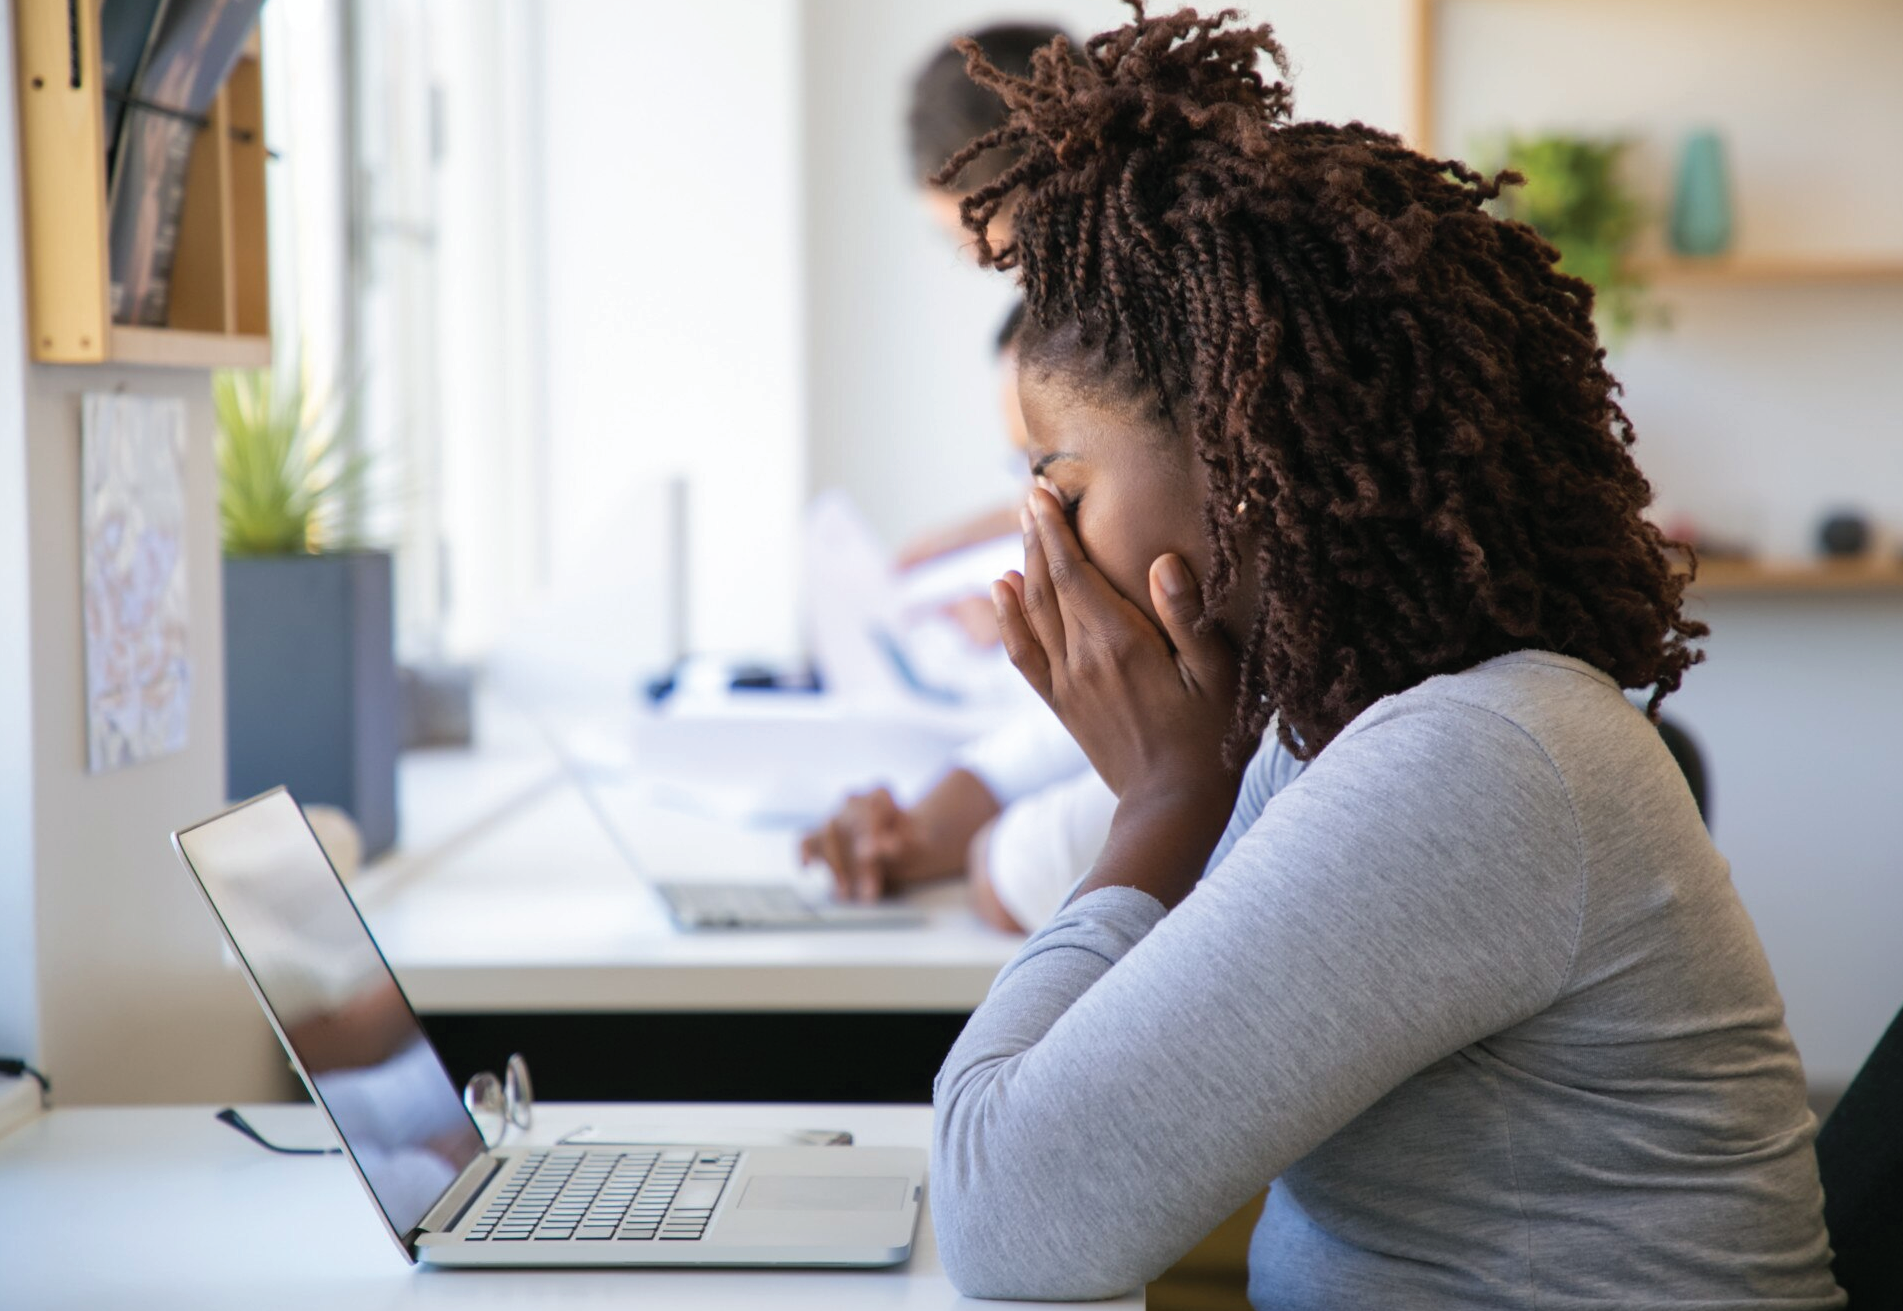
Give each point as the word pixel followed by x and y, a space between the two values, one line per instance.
pixel 1691 763
pixel 1860 1157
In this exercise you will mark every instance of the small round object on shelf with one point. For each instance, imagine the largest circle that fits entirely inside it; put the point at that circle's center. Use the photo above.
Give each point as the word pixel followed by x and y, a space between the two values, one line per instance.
pixel 1844 535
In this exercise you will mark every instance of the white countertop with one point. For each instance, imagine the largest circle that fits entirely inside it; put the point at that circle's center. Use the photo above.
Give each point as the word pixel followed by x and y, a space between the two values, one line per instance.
pixel 163 1207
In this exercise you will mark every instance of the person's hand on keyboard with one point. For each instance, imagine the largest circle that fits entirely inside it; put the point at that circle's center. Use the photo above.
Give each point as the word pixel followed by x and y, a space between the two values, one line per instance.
pixel 872 845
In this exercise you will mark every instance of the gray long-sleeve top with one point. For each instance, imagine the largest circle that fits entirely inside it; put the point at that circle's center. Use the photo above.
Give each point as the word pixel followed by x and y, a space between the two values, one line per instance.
pixel 1475 991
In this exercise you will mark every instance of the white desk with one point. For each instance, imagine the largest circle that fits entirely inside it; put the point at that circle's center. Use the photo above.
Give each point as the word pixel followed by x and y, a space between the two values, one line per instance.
pixel 508 895
pixel 159 1208
pixel 517 923
pixel 537 911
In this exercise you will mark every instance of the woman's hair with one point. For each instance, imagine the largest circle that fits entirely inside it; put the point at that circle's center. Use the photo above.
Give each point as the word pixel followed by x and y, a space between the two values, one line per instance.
pixel 1408 427
pixel 949 109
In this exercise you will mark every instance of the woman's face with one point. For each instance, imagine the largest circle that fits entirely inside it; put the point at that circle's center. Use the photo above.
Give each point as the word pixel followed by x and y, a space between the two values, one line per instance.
pixel 1133 489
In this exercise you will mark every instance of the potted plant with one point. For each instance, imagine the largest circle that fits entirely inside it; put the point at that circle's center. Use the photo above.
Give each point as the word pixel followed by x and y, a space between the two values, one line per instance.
pixel 310 666
pixel 1576 197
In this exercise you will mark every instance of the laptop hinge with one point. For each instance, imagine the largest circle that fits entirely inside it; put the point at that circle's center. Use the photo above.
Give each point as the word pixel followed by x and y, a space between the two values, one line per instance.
pixel 456 1198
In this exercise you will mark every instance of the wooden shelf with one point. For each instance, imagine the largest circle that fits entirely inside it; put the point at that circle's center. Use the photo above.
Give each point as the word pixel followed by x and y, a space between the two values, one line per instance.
pixel 178 348
pixel 1866 269
pixel 1726 270
pixel 219 307
pixel 1743 577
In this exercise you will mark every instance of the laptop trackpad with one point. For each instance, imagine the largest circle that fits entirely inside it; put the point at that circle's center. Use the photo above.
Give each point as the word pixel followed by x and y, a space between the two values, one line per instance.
pixel 806 1192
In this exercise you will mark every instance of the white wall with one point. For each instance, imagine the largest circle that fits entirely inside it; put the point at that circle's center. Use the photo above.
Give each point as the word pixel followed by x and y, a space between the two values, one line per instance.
pixel 1763 407
pixel 672 299
pixel 19 991
pixel 136 1003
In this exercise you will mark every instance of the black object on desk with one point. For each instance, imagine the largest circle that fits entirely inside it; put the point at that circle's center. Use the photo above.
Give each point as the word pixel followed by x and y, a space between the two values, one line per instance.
pixel 725 1056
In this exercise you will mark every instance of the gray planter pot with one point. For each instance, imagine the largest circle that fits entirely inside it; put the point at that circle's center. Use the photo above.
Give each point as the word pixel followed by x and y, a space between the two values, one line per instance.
pixel 311 686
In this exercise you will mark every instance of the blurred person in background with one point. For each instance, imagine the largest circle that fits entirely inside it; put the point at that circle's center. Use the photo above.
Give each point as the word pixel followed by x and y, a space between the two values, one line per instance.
pixel 1019 814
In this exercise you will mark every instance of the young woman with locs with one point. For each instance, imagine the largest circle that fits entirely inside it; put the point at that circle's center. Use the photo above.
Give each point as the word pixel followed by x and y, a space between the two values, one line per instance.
pixel 1330 469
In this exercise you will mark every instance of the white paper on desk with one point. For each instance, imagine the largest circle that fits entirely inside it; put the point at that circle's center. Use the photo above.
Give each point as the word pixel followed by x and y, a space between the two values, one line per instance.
pixel 777 759
pixel 851 596
pixel 957 574
pixel 881 638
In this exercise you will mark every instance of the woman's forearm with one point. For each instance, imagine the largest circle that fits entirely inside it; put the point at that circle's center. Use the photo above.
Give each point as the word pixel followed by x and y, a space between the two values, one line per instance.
pixel 1160 843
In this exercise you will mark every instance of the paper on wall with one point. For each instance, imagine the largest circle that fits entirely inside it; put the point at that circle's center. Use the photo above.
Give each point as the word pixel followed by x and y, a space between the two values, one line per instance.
pixel 138 657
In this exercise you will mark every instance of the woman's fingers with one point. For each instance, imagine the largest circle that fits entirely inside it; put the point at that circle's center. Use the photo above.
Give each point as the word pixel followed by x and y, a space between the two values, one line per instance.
pixel 1204 658
pixel 1020 643
pixel 1037 594
pixel 1086 602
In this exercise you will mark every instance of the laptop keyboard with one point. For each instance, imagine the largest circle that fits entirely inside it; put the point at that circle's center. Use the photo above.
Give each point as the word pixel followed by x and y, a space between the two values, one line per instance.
pixel 600 1196
pixel 736 905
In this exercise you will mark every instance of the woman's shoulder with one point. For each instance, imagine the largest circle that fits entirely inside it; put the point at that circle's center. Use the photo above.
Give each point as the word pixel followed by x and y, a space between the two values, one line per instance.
pixel 1487 757
pixel 1544 728
pixel 1530 741
pixel 1571 711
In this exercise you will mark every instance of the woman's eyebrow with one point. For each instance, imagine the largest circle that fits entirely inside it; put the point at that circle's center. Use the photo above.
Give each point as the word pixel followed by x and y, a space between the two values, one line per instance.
pixel 1045 461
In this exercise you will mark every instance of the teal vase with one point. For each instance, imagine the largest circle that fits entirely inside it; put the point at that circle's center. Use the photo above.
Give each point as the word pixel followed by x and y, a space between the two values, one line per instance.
pixel 1701 206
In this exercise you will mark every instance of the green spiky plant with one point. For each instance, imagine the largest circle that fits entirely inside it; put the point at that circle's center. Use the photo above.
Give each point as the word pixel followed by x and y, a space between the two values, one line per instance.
pixel 288 478
pixel 1576 197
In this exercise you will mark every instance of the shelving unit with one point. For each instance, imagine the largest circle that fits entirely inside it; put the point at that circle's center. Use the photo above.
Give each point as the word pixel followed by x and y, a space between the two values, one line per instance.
pixel 1747 270
pixel 1874 268
pixel 1744 577
pixel 220 313
pixel 1862 266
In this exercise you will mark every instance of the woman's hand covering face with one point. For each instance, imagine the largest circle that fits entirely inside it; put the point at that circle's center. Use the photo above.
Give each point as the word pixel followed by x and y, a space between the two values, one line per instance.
pixel 1149 705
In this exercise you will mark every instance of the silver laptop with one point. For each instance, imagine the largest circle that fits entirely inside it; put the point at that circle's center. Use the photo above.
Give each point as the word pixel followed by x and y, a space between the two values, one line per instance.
pixel 446 1198
pixel 741 905
pixel 698 905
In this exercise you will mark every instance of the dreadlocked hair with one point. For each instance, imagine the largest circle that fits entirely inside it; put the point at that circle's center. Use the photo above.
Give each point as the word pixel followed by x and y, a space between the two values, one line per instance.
pixel 1406 419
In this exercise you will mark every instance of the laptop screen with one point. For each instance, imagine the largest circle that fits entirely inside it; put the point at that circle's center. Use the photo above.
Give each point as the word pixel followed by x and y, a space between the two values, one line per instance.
pixel 346 1023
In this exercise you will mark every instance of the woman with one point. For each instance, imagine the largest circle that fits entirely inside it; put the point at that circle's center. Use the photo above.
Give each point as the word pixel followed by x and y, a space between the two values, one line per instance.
pixel 1328 453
